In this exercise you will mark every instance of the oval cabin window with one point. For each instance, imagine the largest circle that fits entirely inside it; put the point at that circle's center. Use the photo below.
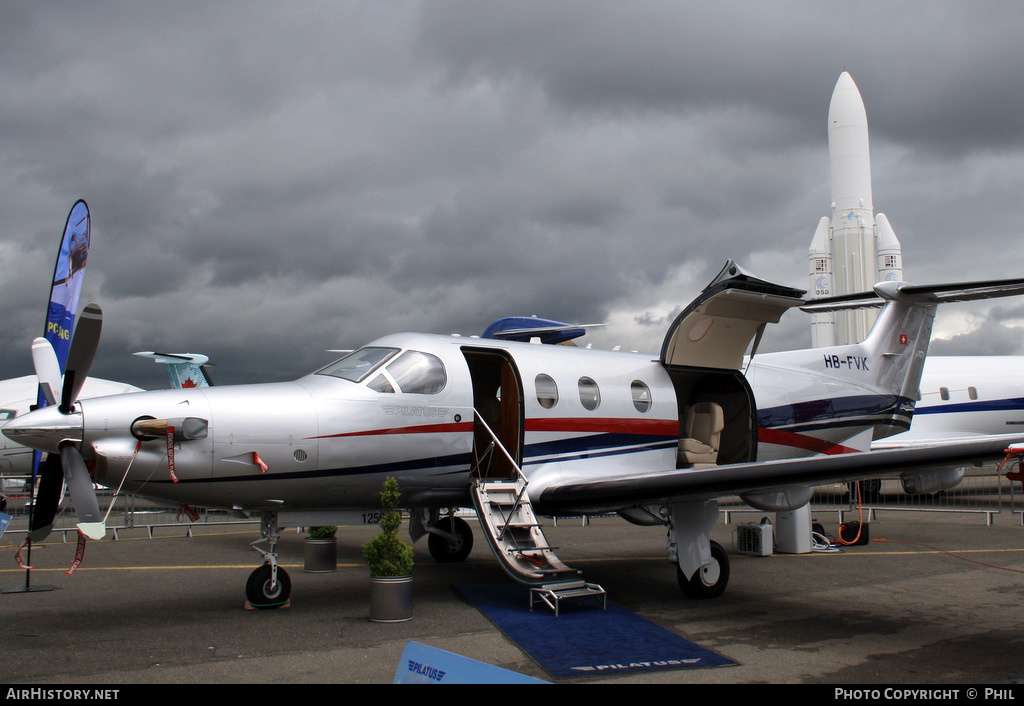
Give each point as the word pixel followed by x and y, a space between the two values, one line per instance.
pixel 590 394
pixel 641 396
pixel 547 391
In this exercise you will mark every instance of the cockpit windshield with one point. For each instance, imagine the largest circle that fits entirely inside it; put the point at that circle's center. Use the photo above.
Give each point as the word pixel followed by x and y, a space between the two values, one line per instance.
pixel 358 364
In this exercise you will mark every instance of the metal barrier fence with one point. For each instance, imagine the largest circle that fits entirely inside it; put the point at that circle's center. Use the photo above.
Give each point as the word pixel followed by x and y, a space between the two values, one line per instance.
pixel 129 512
pixel 985 495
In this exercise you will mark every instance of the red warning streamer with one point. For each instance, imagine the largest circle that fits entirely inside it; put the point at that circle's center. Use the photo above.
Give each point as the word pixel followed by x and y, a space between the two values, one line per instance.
pixel 17 556
pixel 79 554
pixel 259 462
pixel 170 453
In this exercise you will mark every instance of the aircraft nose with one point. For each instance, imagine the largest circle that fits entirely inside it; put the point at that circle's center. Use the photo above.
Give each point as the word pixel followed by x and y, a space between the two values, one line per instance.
pixel 45 429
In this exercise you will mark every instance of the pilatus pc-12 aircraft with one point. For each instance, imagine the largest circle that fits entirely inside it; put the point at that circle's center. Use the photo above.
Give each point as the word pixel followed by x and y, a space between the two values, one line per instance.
pixel 520 428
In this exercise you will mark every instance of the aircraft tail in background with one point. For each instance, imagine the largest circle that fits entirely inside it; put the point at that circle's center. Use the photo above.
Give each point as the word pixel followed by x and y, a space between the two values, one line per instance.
pixel 183 369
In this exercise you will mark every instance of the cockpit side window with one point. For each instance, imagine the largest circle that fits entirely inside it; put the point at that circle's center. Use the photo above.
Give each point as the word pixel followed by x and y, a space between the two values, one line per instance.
pixel 380 384
pixel 418 373
pixel 358 365
pixel 7 414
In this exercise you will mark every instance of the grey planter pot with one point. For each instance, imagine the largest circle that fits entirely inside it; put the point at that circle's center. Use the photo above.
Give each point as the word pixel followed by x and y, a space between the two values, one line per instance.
pixel 390 599
pixel 320 555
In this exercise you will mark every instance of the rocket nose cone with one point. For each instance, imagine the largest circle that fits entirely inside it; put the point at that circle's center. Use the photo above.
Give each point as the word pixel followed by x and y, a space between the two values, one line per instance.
pixel 846 108
pixel 845 82
pixel 45 429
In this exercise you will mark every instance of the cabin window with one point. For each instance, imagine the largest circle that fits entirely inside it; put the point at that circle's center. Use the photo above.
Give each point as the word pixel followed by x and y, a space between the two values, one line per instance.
pixel 944 393
pixel 641 396
pixel 972 392
pixel 590 394
pixel 418 373
pixel 358 365
pixel 547 391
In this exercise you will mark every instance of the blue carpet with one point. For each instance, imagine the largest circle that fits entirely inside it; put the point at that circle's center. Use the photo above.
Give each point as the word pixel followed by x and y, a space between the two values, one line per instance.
pixel 585 640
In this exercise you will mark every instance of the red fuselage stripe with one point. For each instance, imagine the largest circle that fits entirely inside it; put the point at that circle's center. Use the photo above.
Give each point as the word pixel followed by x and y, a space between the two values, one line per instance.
pixel 422 429
pixel 801 441
pixel 654 427
pixel 607 425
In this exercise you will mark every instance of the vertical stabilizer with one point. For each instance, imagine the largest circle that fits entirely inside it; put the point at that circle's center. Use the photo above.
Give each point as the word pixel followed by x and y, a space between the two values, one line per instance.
pixel 183 369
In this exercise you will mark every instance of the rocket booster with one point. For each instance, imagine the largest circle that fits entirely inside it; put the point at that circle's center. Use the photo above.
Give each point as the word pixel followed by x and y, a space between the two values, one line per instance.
pixel 853 249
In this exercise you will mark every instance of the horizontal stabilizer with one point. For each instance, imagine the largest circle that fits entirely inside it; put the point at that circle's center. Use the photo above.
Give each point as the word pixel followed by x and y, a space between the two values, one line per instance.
pixel 937 293
pixel 183 369
pixel 174 358
pixel 524 328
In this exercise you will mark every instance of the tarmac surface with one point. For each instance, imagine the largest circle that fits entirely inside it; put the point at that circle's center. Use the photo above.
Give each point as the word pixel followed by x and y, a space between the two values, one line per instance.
pixel 934 598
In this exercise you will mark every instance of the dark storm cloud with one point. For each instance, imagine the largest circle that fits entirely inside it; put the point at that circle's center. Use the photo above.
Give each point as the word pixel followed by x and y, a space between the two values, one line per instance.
pixel 271 180
pixel 919 64
pixel 999 331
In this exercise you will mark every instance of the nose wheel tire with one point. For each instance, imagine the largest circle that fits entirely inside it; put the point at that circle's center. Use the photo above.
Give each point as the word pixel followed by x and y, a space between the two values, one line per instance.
pixel 262 593
pixel 710 580
pixel 449 551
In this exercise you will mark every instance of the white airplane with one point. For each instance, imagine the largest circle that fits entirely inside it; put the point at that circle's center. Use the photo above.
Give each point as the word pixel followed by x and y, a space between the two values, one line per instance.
pixel 961 397
pixel 19 395
pixel 969 395
pixel 518 429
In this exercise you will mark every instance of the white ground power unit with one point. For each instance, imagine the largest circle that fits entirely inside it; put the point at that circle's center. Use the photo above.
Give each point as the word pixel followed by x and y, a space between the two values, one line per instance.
pixel 753 538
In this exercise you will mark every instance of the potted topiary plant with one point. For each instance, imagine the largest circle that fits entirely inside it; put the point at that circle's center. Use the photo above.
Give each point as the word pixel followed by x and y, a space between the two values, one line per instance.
pixel 390 561
pixel 321 550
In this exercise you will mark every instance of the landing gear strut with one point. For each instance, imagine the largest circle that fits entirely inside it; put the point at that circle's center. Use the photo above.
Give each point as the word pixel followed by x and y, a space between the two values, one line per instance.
pixel 702 566
pixel 268 586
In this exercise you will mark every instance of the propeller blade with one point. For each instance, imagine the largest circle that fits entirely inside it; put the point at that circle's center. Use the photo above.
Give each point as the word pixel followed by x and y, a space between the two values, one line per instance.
pixel 44 360
pixel 84 343
pixel 48 495
pixel 90 521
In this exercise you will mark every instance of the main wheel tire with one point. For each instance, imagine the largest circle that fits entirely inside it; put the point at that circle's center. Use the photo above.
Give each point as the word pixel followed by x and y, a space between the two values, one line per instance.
pixel 710 580
pixel 447 551
pixel 262 594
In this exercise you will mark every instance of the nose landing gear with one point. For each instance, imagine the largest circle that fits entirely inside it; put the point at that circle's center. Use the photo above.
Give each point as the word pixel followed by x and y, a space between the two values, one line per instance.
pixel 269 586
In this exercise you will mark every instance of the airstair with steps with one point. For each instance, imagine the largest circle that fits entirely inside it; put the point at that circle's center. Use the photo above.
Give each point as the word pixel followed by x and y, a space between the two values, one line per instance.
pixel 517 539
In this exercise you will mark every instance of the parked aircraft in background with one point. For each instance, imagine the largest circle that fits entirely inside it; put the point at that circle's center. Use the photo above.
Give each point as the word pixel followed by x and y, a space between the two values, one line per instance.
pixel 515 429
pixel 18 395
pixel 961 397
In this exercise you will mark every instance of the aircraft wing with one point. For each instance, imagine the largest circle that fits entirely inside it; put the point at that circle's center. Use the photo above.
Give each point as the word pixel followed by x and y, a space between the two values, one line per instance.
pixel 606 493
pixel 898 441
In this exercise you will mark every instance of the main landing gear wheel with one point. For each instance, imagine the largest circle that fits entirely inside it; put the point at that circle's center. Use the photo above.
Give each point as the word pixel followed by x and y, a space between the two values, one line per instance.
pixel 450 551
pixel 262 593
pixel 710 580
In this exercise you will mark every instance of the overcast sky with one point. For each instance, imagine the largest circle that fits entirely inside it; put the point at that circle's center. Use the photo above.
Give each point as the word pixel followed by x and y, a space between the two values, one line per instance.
pixel 269 180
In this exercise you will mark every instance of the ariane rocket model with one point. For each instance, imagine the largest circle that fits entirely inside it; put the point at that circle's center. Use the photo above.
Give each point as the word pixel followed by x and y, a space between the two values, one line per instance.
pixel 855 248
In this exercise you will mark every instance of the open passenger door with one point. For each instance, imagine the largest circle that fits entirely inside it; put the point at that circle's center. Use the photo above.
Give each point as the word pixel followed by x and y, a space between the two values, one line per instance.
pixel 703 353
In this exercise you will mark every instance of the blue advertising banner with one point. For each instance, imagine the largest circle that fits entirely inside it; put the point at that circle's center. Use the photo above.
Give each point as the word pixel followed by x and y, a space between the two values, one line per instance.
pixel 68 273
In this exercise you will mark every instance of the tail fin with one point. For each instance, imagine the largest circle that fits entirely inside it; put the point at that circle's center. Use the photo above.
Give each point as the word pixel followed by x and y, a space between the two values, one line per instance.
pixel 183 369
pixel 895 349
